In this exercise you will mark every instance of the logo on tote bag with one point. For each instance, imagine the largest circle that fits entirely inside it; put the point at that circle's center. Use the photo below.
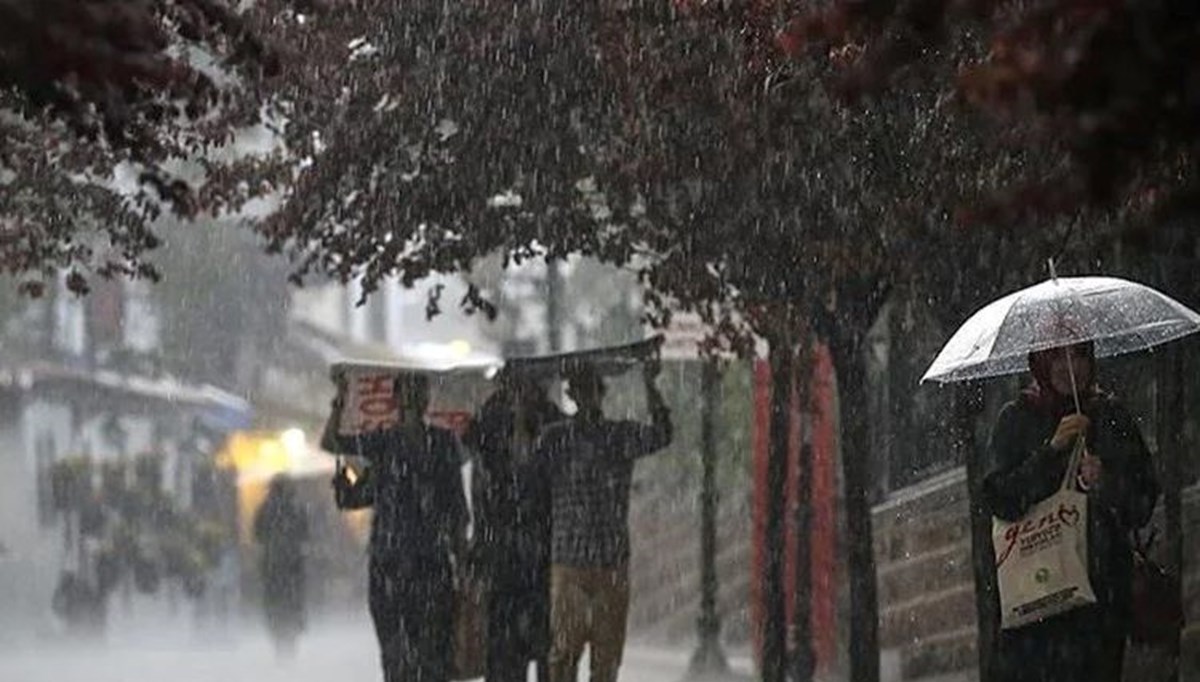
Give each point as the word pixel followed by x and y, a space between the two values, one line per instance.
pixel 1036 533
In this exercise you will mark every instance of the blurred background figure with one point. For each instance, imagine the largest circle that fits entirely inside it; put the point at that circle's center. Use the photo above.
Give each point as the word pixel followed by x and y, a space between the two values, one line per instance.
pixel 281 529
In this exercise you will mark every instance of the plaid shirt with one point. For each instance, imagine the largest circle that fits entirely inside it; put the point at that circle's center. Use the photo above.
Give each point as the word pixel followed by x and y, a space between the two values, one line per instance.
pixel 592 467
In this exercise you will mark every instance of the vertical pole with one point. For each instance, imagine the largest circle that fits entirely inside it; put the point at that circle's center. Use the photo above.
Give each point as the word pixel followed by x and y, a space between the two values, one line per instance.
pixel 554 287
pixel 709 658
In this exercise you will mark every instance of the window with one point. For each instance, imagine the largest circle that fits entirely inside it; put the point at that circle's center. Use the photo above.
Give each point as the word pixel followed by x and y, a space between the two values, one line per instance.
pixel 70 328
pixel 141 323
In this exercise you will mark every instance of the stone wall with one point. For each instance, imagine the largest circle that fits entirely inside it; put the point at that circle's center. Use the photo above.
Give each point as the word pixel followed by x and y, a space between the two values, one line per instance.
pixel 926 588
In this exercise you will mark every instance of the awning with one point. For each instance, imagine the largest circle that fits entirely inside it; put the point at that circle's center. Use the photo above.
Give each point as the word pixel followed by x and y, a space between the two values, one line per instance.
pixel 217 409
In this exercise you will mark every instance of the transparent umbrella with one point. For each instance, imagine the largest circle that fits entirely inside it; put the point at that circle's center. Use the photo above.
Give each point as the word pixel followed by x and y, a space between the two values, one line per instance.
pixel 1119 316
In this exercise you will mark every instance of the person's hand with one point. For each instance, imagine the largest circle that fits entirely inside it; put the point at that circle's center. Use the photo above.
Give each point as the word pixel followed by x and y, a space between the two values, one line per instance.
pixel 342 387
pixel 1091 469
pixel 1071 427
pixel 339 481
pixel 344 477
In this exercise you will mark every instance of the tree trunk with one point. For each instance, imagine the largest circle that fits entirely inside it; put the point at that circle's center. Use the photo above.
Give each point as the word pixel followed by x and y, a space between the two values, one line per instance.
pixel 1171 417
pixel 856 473
pixel 1174 273
pixel 774 654
pixel 968 402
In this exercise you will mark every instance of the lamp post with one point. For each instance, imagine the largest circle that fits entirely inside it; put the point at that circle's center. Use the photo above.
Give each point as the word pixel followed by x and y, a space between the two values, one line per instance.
pixel 709 658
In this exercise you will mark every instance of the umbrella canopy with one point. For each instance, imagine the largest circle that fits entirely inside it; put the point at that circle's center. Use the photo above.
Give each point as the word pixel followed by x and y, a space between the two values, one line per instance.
pixel 1119 316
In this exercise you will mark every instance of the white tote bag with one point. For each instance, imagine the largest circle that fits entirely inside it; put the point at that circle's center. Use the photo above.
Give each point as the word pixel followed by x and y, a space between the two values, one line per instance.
pixel 1042 558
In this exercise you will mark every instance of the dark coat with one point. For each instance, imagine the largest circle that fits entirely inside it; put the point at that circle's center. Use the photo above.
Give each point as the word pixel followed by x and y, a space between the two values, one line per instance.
pixel 511 494
pixel 414 483
pixel 1087 644
pixel 281 528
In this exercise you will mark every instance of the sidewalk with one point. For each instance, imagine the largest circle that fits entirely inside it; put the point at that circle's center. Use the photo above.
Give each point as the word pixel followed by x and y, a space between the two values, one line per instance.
pixel 651 663
pixel 327 653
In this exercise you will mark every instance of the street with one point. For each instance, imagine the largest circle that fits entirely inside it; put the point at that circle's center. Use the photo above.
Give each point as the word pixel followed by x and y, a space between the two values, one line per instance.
pixel 341 652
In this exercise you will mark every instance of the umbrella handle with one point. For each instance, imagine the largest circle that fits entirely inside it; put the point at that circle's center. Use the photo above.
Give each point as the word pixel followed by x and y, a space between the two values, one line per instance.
pixel 1073 464
pixel 1074 385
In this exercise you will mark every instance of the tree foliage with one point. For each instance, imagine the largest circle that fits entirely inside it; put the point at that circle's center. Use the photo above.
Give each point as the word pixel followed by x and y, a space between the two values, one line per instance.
pixel 1112 84
pixel 99 102
pixel 678 139
pixel 421 135
pixel 441 133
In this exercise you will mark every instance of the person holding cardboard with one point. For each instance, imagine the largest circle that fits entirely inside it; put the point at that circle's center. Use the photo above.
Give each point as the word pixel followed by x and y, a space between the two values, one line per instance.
pixel 512 525
pixel 418 530
pixel 590 460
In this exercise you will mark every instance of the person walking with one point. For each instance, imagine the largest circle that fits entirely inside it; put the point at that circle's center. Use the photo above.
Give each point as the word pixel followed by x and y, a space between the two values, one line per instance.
pixel 413 480
pixel 512 526
pixel 1031 444
pixel 281 529
pixel 590 460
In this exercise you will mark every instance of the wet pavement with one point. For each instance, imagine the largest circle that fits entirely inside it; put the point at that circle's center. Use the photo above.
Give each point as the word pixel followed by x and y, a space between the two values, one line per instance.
pixel 342 652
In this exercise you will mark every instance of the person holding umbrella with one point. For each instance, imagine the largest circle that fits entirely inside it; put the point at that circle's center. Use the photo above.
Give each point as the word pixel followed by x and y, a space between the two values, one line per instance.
pixel 1031 447
pixel 1070 476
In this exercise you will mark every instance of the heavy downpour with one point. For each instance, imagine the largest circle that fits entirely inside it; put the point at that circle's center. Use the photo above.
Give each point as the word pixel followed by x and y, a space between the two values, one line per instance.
pixel 631 340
